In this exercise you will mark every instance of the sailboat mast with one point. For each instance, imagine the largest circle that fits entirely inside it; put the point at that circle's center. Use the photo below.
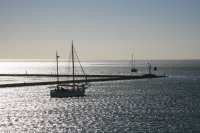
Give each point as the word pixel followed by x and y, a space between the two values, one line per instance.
pixel 57 66
pixel 132 60
pixel 73 62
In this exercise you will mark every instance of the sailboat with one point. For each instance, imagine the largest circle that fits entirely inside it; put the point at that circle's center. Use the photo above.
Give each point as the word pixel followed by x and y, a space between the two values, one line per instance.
pixel 69 90
pixel 133 68
pixel 155 68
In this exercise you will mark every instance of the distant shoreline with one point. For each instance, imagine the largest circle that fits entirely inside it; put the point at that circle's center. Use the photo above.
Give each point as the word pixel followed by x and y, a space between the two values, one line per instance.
pixel 63 60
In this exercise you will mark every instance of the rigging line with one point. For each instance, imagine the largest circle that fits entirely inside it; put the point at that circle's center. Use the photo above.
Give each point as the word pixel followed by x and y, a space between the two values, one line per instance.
pixel 79 62
pixel 80 65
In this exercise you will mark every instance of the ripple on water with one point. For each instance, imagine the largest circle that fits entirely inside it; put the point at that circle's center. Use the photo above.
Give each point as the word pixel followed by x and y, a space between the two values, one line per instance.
pixel 122 106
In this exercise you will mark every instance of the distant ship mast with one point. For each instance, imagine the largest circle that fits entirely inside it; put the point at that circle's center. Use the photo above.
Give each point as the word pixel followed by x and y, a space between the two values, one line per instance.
pixel 133 68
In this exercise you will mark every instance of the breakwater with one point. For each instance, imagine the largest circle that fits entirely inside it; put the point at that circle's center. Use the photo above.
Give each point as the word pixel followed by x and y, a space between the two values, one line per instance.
pixel 90 78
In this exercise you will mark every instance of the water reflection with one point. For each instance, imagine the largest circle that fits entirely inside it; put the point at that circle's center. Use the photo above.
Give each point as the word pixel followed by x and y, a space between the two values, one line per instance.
pixel 150 105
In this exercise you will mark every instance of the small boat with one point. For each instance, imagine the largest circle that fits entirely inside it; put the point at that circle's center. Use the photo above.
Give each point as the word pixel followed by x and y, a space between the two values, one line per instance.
pixel 133 68
pixel 149 67
pixel 69 90
pixel 155 68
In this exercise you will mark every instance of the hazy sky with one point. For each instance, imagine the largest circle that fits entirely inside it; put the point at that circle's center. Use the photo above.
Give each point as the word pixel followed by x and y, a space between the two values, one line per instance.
pixel 101 29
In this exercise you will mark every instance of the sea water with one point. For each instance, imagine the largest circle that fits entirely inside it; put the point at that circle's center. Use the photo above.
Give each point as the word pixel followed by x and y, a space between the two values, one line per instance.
pixel 168 104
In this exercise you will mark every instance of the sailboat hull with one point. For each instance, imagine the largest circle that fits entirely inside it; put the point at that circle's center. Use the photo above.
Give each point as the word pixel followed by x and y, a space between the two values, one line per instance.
pixel 133 70
pixel 67 93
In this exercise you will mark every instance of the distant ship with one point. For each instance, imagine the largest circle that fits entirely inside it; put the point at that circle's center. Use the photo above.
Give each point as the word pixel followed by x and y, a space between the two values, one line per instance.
pixel 155 68
pixel 69 90
pixel 133 68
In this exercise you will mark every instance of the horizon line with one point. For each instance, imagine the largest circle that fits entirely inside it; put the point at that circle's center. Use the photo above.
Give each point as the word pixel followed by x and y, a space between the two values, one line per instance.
pixel 98 60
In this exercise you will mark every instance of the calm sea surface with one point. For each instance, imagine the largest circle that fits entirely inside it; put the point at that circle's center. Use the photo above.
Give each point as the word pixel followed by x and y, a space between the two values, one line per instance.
pixel 169 104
